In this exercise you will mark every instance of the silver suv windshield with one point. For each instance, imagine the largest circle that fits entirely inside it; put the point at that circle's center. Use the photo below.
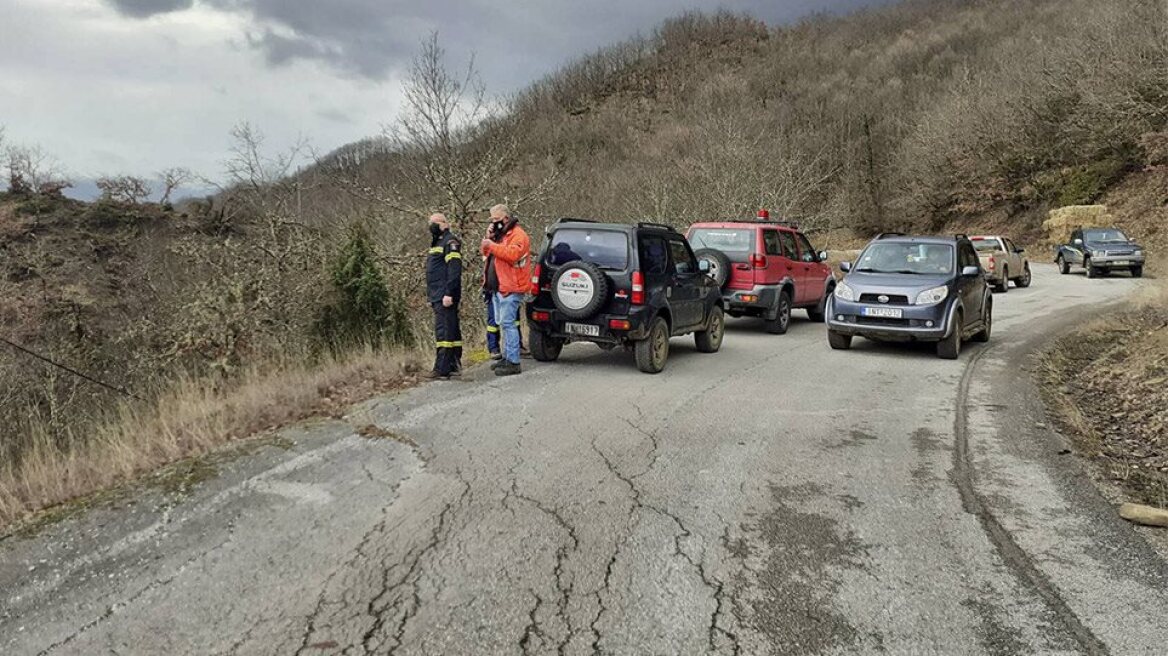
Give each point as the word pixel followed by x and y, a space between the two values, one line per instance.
pixel 906 258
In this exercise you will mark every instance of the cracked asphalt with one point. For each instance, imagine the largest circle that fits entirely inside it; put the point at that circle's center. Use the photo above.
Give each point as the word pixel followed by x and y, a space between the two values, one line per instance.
pixel 775 498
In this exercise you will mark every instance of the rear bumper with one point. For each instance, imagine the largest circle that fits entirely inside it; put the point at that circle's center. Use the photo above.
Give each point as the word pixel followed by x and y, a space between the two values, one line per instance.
pixel 765 298
pixel 638 318
pixel 846 318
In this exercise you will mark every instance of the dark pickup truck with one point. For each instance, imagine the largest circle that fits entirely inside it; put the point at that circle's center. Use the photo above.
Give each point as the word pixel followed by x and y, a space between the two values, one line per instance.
pixel 1099 251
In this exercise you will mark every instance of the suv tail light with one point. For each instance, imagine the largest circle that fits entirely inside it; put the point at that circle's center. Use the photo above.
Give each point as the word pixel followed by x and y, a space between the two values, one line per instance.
pixel 539 315
pixel 993 263
pixel 758 261
pixel 536 274
pixel 638 296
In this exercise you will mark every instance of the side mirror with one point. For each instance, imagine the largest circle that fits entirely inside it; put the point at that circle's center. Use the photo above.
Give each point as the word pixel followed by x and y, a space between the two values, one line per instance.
pixel 845 266
pixel 971 271
pixel 704 266
pixel 1078 242
pixel 822 256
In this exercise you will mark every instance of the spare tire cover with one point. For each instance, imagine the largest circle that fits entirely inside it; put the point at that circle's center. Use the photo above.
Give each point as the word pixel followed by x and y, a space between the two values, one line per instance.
pixel 579 290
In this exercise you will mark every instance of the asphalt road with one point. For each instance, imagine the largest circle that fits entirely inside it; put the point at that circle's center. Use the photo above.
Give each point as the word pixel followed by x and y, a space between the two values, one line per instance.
pixel 777 497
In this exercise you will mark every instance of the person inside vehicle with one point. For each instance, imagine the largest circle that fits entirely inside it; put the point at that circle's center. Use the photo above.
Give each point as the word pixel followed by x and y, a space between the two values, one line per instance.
pixel 562 253
pixel 936 259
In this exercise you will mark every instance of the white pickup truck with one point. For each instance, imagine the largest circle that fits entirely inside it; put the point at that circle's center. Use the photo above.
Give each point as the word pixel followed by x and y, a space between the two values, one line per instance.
pixel 1003 261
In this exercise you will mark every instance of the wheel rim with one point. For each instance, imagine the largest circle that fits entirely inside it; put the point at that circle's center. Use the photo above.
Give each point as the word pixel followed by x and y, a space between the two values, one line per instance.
pixel 989 320
pixel 784 313
pixel 1026 277
pixel 717 327
pixel 660 343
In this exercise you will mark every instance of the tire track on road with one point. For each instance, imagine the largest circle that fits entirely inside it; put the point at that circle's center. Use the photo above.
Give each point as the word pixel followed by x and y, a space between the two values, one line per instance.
pixel 1004 543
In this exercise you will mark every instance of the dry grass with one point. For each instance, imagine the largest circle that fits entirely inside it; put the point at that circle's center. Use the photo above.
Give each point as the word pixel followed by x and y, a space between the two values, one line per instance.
pixel 189 419
pixel 1108 386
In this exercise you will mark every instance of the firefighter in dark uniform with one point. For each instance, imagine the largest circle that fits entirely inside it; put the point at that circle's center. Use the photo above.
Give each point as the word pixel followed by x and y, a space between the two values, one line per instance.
pixel 444 291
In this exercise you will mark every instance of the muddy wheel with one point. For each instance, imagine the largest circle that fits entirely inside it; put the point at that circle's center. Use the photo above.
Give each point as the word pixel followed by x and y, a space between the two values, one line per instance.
pixel 839 341
pixel 1064 267
pixel 653 351
pixel 710 339
pixel 950 347
pixel 782 320
pixel 988 319
pixel 544 348
pixel 1024 281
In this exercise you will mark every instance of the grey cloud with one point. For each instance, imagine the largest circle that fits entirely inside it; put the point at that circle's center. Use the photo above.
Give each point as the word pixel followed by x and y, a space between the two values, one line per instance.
pixel 516 41
pixel 147 8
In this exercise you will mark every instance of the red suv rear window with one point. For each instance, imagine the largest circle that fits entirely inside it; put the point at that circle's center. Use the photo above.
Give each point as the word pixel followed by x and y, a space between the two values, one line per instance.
pixel 736 243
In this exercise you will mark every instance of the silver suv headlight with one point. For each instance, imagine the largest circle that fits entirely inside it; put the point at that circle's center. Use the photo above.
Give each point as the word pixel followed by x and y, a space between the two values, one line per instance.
pixel 845 293
pixel 1139 253
pixel 1098 253
pixel 932 296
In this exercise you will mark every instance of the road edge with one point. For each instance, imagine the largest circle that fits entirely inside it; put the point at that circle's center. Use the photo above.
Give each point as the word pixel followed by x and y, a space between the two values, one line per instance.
pixel 1012 554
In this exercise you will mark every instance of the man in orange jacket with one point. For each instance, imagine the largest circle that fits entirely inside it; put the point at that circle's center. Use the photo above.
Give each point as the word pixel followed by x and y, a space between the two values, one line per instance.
pixel 508 278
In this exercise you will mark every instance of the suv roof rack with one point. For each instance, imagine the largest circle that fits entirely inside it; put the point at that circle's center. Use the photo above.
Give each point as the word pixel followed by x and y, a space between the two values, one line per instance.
pixel 568 219
pixel 786 224
pixel 886 235
pixel 650 224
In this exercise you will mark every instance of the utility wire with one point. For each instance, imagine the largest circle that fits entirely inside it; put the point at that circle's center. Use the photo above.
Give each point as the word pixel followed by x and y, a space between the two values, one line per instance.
pixel 79 374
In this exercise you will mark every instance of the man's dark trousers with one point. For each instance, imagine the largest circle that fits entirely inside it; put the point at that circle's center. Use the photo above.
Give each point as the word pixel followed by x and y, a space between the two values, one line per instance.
pixel 448 339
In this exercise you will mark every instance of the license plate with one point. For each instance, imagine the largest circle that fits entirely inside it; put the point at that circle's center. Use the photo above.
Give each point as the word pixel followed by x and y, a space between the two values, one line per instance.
pixel 883 313
pixel 1122 263
pixel 582 329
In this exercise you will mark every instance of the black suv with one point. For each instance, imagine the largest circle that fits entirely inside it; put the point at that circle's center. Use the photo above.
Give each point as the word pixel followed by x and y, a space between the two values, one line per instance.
pixel 621 285
pixel 1099 251
pixel 903 288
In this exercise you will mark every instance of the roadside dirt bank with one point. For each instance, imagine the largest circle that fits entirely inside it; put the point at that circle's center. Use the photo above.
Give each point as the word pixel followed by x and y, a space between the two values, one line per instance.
pixel 1106 387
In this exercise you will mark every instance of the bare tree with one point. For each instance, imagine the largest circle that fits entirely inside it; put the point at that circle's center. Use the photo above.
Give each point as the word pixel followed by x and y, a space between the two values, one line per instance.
pixel 32 170
pixel 450 148
pixel 126 189
pixel 172 179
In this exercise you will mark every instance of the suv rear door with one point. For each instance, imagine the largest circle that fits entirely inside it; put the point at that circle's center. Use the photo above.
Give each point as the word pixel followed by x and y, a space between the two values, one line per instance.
pixel 737 243
pixel 778 259
pixel 685 299
pixel 813 274
pixel 655 265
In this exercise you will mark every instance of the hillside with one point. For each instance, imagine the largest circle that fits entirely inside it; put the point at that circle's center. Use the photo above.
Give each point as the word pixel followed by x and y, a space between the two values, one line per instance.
pixel 910 116
pixel 925 115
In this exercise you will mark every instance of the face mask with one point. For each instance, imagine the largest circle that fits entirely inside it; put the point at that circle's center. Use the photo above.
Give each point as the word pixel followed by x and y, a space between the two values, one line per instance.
pixel 497 226
pixel 435 229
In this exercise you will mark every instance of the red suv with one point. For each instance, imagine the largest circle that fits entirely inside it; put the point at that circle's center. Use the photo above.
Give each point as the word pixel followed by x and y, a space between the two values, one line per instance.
pixel 765 269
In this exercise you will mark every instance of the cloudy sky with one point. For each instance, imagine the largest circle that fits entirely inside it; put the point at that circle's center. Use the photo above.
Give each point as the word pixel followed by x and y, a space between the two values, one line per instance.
pixel 132 86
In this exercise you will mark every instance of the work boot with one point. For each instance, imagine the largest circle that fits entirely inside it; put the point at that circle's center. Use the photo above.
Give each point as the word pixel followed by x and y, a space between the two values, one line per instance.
pixel 498 363
pixel 434 375
pixel 507 369
pixel 495 355
pixel 524 353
